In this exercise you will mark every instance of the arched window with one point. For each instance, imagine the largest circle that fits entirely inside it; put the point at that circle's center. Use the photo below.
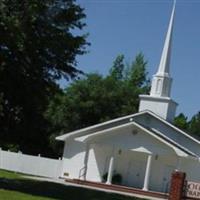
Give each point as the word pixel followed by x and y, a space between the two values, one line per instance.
pixel 158 86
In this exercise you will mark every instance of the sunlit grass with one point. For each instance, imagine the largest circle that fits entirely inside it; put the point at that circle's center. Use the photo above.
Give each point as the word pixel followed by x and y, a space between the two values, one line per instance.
pixel 9 175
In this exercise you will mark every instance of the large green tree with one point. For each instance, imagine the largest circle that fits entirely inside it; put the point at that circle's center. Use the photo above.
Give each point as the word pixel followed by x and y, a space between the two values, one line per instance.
pixel 38 46
pixel 194 125
pixel 191 126
pixel 95 98
pixel 181 121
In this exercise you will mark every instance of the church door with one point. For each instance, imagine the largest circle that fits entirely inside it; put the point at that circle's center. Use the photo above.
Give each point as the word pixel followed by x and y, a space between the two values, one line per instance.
pixel 166 178
pixel 135 174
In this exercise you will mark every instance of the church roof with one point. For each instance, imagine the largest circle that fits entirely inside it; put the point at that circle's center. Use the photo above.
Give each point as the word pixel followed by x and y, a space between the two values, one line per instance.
pixel 122 121
pixel 97 127
pixel 180 150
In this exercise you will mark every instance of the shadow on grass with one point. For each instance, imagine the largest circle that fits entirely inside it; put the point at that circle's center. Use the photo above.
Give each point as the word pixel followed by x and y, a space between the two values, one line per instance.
pixel 57 191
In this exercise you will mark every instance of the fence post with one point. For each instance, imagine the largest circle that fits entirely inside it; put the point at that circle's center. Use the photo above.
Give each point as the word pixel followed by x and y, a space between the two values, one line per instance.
pixel 177 185
pixel 20 162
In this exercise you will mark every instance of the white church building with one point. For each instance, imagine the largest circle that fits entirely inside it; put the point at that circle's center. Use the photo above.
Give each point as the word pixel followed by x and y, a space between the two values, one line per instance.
pixel 140 150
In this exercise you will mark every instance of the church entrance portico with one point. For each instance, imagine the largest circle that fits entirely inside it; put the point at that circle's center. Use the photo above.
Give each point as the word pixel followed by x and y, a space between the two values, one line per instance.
pixel 142 170
pixel 130 166
pixel 133 168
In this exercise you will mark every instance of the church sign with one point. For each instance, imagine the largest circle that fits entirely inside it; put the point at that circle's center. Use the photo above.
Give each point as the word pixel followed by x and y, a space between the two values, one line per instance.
pixel 193 190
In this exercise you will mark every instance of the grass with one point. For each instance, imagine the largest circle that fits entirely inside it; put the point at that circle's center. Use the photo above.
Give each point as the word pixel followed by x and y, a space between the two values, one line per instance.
pixel 9 175
pixel 14 187
pixel 13 195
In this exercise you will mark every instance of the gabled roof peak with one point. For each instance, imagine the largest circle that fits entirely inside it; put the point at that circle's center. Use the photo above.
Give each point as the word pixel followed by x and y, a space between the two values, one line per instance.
pixel 120 121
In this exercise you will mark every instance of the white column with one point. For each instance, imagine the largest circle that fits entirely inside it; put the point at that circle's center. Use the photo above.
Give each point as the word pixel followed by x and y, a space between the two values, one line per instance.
pixel 110 170
pixel 147 173
pixel 83 171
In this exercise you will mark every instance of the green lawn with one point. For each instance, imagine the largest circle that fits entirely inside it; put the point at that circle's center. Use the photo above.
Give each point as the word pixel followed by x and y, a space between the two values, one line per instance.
pixel 14 187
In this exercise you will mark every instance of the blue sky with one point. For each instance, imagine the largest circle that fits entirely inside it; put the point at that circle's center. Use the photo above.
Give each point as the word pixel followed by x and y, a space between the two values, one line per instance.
pixel 130 26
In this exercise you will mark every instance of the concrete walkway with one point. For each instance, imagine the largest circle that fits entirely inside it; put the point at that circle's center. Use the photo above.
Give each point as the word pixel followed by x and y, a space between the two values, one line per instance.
pixel 62 181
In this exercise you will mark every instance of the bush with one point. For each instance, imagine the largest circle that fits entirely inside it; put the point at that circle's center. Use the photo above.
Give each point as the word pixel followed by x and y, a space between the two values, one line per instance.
pixel 116 179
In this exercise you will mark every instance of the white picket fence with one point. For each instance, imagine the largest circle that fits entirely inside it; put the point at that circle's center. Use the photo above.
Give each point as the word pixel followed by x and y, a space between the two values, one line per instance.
pixel 33 165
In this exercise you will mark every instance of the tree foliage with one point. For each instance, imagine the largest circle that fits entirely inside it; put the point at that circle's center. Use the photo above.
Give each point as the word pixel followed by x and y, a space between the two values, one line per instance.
pixel 191 126
pixel 37 47
pixel 117 69
pixel 137 73
pixel 95 98
pixel 194 125
pixel 181 122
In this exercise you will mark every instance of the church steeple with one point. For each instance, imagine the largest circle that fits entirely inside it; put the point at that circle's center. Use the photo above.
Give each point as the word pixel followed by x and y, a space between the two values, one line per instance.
pixel 159 100
pixel 166 53
pixel 161 84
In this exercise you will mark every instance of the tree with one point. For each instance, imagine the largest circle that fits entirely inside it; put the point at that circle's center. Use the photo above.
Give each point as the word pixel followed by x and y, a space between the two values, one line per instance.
pixel 181 122
pixel 37 48
pixel 94 98
pixel 194 125
pixel 136 82
pixel 137 73
pixel 117 69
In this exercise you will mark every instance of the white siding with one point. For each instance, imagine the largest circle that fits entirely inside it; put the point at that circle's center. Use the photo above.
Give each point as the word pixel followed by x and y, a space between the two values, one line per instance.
pixel 125 139
pixel 162 167
pixel 192 169
pixel 73 158
pixel 98 162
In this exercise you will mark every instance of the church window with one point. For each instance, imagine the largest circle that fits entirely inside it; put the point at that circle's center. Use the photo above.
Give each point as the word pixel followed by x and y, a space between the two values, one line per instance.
pixel 158 86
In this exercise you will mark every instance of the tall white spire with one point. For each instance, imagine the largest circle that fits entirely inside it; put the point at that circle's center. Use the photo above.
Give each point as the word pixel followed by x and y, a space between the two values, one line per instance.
pixel 166 53
pixel 161 84
pixel 159 100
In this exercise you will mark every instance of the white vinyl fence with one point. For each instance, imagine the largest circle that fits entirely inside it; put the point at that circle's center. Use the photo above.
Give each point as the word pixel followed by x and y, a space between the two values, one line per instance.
pixel 33 165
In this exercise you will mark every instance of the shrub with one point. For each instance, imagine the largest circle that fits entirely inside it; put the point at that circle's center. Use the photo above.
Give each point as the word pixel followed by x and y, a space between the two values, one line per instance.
pixel 116 179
